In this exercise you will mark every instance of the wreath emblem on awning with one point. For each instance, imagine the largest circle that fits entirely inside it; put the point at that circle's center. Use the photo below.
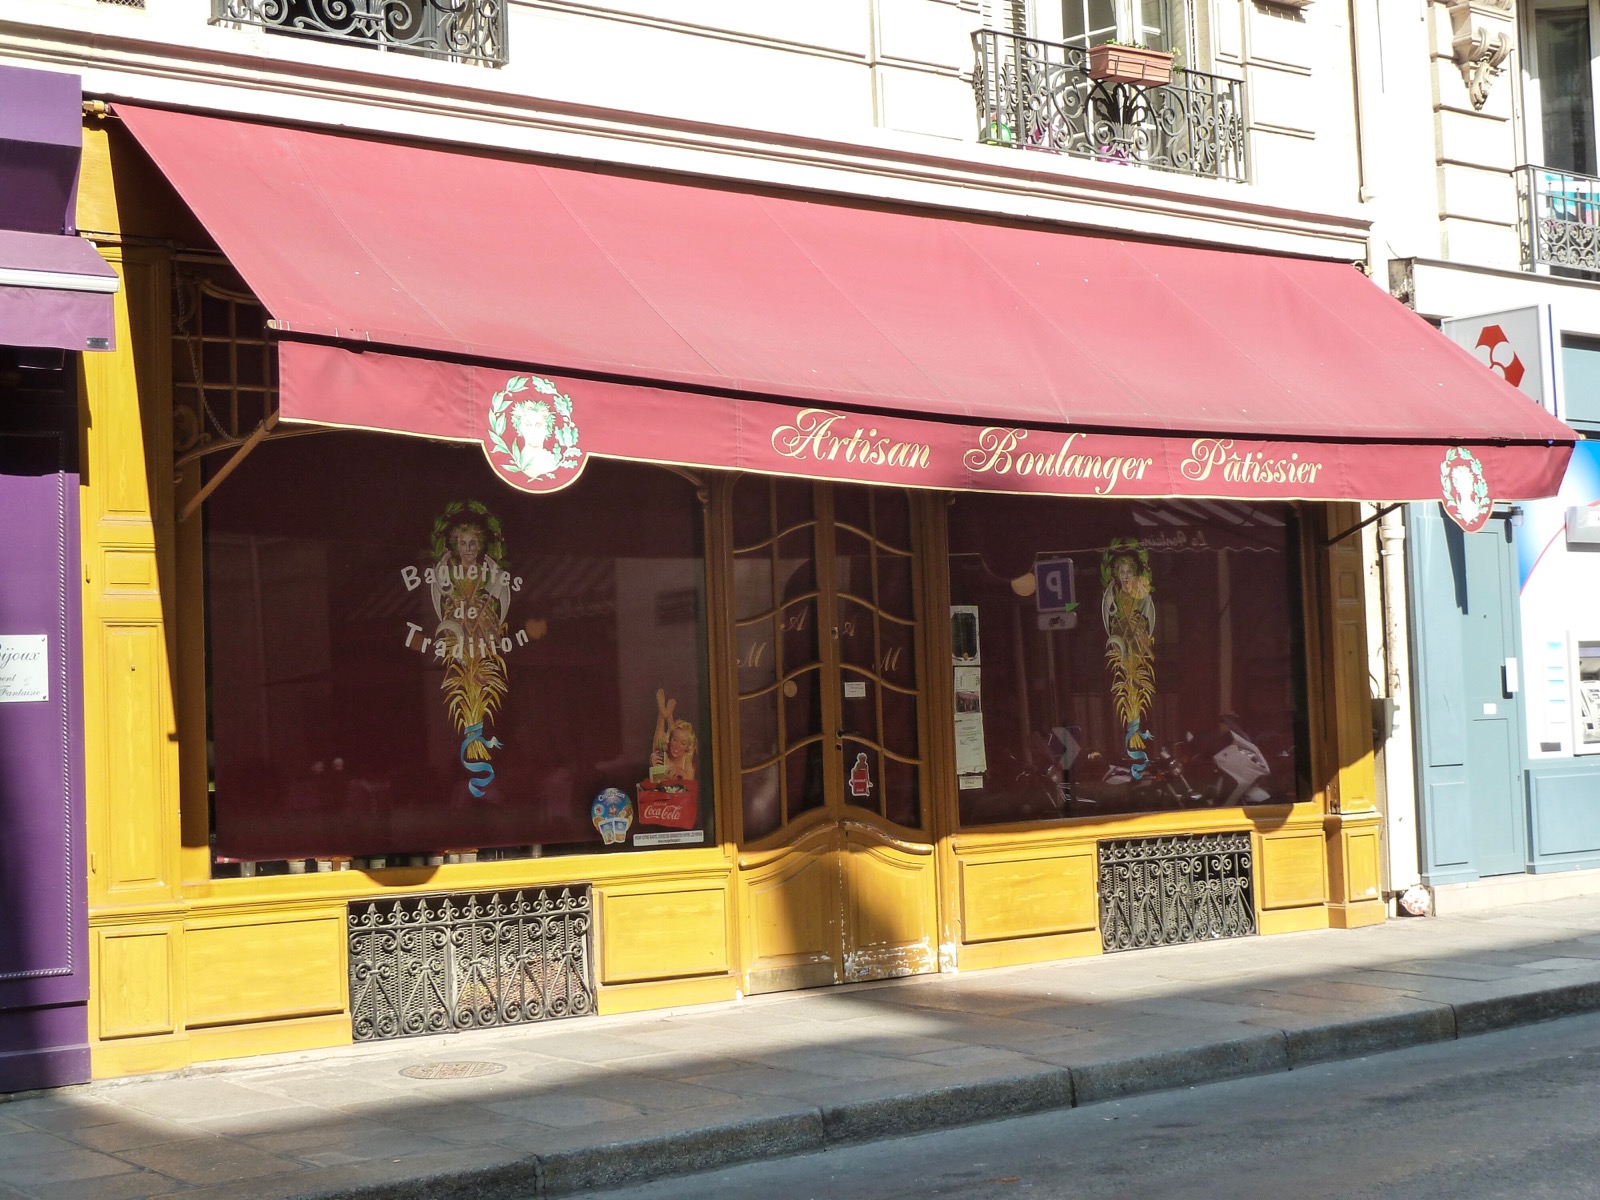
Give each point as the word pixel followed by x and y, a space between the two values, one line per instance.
pixel 543 436
pixel 1465 490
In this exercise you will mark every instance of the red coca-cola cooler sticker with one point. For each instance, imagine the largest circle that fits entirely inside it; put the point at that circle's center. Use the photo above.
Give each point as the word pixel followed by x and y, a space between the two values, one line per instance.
pixel 675 804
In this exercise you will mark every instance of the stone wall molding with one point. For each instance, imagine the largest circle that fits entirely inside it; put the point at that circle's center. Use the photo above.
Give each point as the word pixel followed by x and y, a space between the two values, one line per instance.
pixel 1481 41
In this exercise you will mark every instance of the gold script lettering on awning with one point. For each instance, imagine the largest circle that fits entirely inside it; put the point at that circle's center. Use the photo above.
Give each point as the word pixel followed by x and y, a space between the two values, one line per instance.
pixel 813 436
pixel 998 453
pixel 1208 454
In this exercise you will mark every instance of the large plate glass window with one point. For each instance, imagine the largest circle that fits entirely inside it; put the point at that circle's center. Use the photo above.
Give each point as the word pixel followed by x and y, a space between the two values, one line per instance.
pixel 1112 657
pixel 410 661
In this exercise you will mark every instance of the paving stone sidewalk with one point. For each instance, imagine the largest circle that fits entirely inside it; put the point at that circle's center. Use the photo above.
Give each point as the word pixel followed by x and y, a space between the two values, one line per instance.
pixel 561 1108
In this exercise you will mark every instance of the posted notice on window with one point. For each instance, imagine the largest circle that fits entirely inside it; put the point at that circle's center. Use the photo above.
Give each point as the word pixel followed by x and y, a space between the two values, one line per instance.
pixel 24 667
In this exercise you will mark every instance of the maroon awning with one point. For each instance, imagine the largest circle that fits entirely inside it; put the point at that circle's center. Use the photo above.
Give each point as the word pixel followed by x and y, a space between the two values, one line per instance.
pixel 550 313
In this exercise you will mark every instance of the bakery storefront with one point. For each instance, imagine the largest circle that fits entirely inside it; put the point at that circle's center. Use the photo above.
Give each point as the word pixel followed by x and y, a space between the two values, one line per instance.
pixel 596 592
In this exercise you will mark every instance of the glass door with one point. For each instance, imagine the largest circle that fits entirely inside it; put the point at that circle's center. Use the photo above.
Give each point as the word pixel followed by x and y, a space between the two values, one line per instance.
pixel 836 863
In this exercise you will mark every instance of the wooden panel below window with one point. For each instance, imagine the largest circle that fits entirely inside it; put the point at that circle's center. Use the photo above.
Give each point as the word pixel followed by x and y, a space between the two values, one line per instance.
pixel 663 934
pixel 1019 897
pixel 1293 870
pixel 265 970
pixel 134 983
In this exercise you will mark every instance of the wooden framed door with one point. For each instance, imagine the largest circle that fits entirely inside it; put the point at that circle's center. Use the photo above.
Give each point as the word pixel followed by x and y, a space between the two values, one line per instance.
pixel 836 864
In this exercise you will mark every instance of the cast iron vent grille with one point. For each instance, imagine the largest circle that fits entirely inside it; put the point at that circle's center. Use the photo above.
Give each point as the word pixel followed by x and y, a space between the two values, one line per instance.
pixel 1164 891
pixel 469 960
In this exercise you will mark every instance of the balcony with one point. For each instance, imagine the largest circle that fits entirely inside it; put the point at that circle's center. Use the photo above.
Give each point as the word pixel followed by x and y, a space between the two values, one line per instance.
pixel 471 31
pixel 1559 215
pixel 1035 95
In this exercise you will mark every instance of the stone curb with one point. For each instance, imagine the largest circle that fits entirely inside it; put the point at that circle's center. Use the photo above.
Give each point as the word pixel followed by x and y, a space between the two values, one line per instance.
pixel 1525 1008
pixel 618 1164
pixel 1370 1035
pixel 952 1104
pixel 1234 1058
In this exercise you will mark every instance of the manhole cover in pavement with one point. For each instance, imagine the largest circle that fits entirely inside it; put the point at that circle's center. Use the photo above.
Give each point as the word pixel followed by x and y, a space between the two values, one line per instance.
pixel 452 1070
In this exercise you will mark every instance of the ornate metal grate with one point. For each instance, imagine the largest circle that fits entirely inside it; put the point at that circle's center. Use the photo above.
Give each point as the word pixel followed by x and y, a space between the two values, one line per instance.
pixel 471 31
pixel 469 960
pixel 1560 219
pixel 1164 891
pixel 1035 95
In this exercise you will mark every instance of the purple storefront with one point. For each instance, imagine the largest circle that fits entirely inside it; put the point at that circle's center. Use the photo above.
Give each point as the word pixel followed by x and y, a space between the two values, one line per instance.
pixel 55 303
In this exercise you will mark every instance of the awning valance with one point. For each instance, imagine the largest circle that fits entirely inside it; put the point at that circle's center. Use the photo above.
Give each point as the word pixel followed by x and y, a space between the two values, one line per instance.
pixel 55 291
pixel 550 313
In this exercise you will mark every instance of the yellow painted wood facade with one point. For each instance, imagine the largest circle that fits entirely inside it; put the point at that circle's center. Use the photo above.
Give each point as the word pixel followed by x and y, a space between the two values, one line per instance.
pixel 187 968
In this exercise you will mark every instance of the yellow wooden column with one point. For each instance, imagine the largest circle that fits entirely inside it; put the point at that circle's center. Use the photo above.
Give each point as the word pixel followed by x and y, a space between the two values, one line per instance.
pixel 136 907
pixel 1352 822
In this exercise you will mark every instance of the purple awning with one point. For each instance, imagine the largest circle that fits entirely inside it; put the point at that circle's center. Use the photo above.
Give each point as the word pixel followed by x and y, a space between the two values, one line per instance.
pixel 55 291
pixel 41 138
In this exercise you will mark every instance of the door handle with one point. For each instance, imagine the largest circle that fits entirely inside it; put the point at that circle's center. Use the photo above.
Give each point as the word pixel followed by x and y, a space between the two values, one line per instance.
pixel 1512 680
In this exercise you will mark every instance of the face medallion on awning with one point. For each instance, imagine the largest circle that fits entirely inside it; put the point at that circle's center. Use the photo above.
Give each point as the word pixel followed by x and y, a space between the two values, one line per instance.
pixel 551 313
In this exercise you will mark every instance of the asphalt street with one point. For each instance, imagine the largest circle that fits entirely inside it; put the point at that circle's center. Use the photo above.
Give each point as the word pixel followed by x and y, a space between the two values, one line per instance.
pixel 1506 1114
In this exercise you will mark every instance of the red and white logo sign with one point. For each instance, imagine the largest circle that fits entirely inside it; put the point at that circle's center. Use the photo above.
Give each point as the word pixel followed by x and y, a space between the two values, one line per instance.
pixel 861 777
pixel 675 805
pixel 1495 349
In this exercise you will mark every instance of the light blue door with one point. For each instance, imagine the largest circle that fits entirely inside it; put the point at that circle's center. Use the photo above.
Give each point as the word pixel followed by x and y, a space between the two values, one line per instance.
pixel 1464 612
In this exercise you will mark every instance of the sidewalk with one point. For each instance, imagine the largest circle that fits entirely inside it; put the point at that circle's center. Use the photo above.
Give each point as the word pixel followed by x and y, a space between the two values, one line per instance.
pixel 556 1109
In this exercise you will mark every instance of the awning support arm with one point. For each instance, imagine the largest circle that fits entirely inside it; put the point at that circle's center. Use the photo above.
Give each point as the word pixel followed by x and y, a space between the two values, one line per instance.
pixel 1381 511
pixel 257 436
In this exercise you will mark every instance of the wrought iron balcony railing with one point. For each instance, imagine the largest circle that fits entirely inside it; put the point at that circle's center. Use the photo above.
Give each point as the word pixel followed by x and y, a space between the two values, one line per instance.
pixel 1035 95
pixel 471 31
pixel 1560 219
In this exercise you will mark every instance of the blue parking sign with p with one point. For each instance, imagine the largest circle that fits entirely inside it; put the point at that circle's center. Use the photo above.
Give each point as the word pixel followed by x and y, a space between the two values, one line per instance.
pixel 1055 590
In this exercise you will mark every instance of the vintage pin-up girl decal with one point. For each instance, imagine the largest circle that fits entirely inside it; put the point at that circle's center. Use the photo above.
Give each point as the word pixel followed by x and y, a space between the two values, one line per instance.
pixel 671 795
pixel 675 747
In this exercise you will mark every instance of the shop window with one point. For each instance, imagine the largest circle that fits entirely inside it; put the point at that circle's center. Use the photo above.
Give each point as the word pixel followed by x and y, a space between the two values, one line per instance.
pixel 1112 657
pixel 225 366
pixel 409 661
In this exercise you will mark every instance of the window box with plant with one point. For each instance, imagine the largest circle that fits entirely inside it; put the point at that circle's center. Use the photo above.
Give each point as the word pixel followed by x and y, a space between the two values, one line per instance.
pixel 1117 62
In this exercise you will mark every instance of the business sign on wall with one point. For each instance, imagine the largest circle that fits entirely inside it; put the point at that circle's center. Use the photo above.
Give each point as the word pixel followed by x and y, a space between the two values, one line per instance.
pixel 24 667
pixel 1517 344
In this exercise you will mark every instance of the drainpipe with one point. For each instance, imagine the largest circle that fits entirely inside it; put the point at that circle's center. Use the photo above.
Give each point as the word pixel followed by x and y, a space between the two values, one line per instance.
pixel 1399 758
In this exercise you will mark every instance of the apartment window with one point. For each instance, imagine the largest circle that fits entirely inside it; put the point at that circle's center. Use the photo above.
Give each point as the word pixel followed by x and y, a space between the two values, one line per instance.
pixel 1563 57
pixel 1559 192
pixel 1159 24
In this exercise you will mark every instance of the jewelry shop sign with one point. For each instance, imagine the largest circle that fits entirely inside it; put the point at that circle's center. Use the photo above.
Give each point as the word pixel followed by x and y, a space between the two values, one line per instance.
pixel 24 667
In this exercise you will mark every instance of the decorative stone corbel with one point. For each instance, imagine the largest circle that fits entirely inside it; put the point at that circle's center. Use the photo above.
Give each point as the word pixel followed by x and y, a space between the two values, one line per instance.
pixel 1481 39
